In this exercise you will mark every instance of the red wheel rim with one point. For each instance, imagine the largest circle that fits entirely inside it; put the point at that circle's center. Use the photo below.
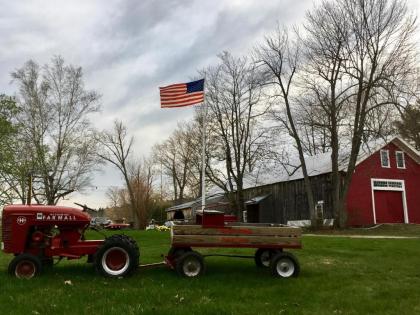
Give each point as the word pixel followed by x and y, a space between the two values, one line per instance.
pixel 25 269
pixel 116 259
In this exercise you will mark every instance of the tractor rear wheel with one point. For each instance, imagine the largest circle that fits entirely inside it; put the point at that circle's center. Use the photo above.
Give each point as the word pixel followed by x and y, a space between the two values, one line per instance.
pixel 118 256
pixel 25 266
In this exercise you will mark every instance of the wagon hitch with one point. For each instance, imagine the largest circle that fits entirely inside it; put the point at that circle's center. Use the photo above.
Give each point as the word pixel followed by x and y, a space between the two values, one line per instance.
pixel 153 265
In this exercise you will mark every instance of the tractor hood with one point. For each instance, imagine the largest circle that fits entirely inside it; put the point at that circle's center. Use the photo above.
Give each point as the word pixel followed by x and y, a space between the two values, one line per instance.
pixel 43 213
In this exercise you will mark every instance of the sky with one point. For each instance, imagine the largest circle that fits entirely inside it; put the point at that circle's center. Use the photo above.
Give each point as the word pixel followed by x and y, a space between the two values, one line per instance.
pixel 129 48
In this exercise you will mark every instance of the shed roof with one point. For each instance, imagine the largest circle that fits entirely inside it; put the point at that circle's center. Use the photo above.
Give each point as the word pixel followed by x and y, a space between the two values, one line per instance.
pixel 209 200
pixel 256 200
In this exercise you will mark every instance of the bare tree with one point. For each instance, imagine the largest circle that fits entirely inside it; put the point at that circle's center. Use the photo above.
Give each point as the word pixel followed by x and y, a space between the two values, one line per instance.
pixel 235 139
pixel 360 54
pixel 117 147
pixel 178 156
pixel 55 129
pixel 113 194
pixel 141 179
pixel 193 133
pixel 312 125
pixel 409 125
pixel 119 207
pixel 281 59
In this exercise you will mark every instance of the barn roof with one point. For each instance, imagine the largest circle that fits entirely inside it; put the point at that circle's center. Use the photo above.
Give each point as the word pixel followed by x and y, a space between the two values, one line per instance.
pixel 321 163
pixel 211 199
pixel 317 165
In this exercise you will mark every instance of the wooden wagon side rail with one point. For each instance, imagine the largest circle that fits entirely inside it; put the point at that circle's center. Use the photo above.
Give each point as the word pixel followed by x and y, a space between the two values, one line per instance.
pixel 236 236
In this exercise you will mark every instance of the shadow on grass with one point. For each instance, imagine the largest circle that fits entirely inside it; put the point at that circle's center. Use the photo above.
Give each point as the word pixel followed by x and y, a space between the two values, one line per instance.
pixel 231 269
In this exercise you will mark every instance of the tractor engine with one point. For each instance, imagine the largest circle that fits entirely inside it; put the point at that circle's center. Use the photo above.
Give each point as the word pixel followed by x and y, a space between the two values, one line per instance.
pixel 36 234
pixel 44 230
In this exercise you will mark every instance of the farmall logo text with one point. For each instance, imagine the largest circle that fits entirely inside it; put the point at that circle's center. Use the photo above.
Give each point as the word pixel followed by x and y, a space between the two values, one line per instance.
pixel 55 217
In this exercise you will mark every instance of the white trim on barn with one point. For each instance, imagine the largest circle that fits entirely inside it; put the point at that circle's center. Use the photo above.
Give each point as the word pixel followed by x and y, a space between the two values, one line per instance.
pixel 401 153
pixel 385 158
pixel 389 185
pixel 400 143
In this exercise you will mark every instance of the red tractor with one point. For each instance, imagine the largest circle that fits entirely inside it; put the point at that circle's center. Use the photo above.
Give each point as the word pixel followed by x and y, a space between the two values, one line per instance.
pixel 36 234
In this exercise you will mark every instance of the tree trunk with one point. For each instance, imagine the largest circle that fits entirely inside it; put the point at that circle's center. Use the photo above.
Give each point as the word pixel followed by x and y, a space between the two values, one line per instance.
pixel 133 206
pixel 307 181
pixel 335 180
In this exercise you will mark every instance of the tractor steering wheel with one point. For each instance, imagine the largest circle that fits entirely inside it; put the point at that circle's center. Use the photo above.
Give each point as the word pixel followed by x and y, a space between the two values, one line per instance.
pixel 85 208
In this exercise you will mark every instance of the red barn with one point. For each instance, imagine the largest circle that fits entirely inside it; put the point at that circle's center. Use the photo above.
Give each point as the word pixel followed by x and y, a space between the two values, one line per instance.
pixel 386 186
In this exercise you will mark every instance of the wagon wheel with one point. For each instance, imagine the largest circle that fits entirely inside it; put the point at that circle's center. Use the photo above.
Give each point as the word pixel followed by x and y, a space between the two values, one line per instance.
pixel 25 266
pixel 284 265
pixel 263 256
pixel 177 252
pixel 190 264
pixel 117 257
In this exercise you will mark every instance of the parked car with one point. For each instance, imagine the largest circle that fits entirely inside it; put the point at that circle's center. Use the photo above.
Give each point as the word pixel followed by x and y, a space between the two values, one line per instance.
pixel 100 221
pixel 106 223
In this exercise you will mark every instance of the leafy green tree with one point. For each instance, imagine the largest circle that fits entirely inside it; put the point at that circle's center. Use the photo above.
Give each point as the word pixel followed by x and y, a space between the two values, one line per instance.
pixel 56 138
pixel 409 125
pixel 8 132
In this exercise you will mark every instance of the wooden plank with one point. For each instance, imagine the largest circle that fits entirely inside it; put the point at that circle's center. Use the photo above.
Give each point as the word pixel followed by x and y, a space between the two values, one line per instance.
pixel 237 230
pixel 230 240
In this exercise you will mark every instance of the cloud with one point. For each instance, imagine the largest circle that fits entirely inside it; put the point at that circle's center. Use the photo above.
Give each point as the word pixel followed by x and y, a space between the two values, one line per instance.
pixel 129 48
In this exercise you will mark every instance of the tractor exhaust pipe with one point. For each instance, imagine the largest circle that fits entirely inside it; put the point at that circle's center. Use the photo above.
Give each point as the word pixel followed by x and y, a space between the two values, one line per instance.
pixel 29 196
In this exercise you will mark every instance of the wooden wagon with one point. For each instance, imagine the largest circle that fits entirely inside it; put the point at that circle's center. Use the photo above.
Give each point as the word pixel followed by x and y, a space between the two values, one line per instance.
pixel 214 229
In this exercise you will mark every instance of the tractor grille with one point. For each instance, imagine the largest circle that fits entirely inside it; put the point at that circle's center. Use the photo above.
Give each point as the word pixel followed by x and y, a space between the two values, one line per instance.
pixel 7 231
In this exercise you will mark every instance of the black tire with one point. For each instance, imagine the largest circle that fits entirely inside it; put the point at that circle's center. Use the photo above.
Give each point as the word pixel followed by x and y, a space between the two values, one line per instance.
pixel 263 257
pixel 25 266
pixel 177 252
pixel 284 265
pixel 131 240
pixel 117 257
pixel 190 264
pixel 90 259
pixel 48 262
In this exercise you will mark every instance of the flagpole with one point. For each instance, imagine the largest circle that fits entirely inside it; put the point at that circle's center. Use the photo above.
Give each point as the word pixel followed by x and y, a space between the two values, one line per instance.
pixel 203 161
pixel 169 98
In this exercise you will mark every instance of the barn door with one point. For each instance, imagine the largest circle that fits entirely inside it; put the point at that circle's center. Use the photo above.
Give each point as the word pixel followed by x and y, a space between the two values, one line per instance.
pixel 253 213
pixel 389 206
pixel 389 201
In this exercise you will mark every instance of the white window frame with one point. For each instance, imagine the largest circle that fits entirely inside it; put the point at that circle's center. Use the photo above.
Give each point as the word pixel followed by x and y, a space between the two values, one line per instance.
pixel 389 162
pixel 402 189
pixel 403 159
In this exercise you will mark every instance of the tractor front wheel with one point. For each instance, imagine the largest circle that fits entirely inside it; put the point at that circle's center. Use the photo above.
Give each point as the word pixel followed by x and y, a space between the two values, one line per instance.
pixel 25 266
pixel 118 256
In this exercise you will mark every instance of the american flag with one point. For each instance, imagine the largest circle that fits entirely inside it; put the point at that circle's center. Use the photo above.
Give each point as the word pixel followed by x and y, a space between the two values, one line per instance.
pixel 182 94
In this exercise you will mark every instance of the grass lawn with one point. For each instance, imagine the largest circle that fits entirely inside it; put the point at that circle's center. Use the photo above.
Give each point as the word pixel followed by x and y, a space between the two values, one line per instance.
pixel 406 230
pixel 338 276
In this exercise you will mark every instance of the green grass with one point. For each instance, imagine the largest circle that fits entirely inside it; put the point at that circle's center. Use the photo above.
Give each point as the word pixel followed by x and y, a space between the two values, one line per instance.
pixel 338 276
pixel 409 230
